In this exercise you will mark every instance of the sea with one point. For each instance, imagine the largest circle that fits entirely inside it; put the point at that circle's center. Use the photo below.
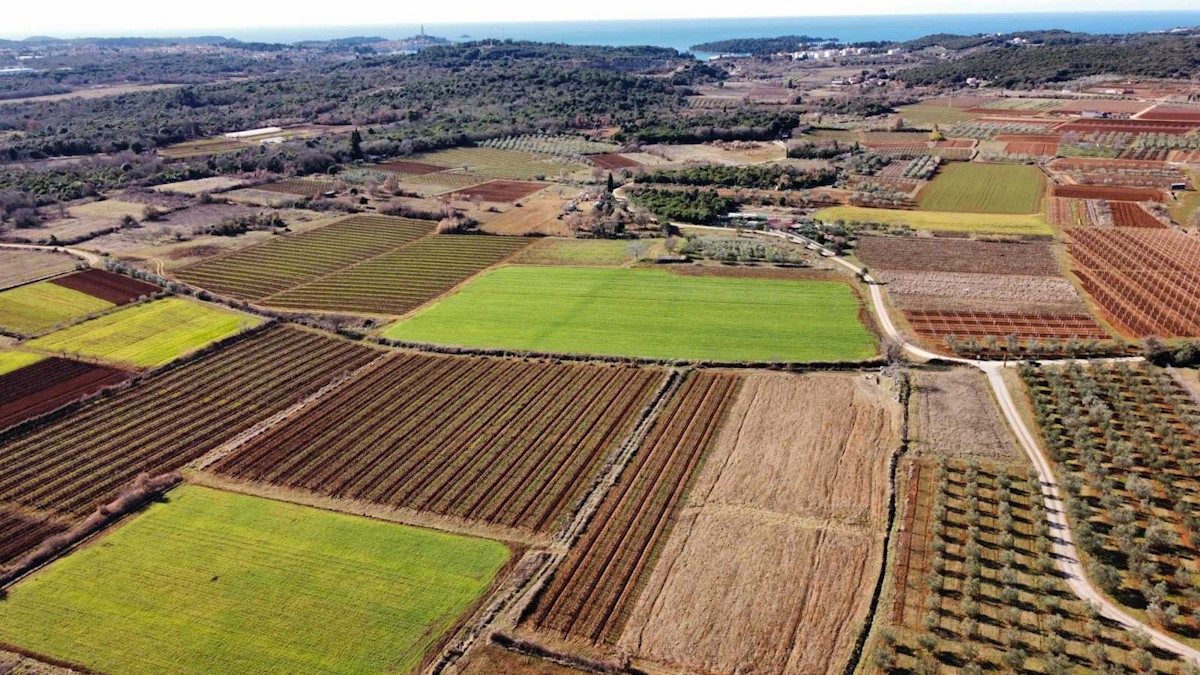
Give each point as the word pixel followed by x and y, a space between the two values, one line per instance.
pixel 681 34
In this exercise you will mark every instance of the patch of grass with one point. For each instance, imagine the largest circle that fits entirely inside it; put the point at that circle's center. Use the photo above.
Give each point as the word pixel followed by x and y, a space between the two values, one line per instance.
pixel 215 582
pixel 926 115
pixel 985 188
pixel 10 360
pixel 654 313
pixel 149 334
pixel 991 223
pixel 41 306
pixel 584 252
pixel 108 208
pixel 1182 210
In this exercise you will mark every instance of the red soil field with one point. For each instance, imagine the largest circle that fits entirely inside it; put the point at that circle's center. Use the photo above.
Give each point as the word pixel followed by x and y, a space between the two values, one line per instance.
pixel 1114 194
pixel 50 384
pixel 611 161
pixel 1146 280
pixel 1128 126
pixel 1007 113
pixel 500 190
pixel 69 465
pixel 1028 138
pixel 20 533
pixel 1041 149
pixel 1048 124
pixel 1129 214
pixel 1172 114
pixel 506 442
pixel 593 591
pixel 1104 106
pixel 115 288
pixel 937 325
pixel 913 549
pixel 956 255
pixel 410 167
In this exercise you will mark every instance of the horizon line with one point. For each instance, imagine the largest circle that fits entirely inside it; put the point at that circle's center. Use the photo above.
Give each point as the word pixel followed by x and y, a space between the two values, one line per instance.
pixel 214 31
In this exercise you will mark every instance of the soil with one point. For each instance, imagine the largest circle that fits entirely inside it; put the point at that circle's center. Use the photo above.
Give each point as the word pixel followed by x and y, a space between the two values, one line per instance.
pixel 612 161
pixel 114 288
pixel 1117 194
pixel 957 255
pixel 50 384
pixel 407 166
pixel 537 216
pixel 954 291
pixel 956 416
pixel 771 567
pixel 499 190
pixel 492 659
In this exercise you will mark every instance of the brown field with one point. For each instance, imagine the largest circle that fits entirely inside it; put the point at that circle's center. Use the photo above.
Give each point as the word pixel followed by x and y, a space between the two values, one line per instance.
pixel 410 167
pixel 1171 114
pixel 50 384
pixel 300 187
pixel 64 230
pixel 115 288
pixel 107 208
pixel 499 190
pixel 1109 193
pixel 536 216
pixel 99 91
pixel 612 161
pixel 771 565
pixel 957 255
pixel 21 532
pixel 955 415
pixel 1144 279
pixel 22 267
pixel 936 325
pixel 1130 214
pixel 732 154
pixel 1100 105
pixel 594 589
pixel 1040 149
pixel 955 291
pixel 201 185
pixel 504 442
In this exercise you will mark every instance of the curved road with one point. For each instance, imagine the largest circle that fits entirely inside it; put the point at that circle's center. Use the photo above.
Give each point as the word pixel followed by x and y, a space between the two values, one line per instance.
pixel 1065 554
pixel 91 258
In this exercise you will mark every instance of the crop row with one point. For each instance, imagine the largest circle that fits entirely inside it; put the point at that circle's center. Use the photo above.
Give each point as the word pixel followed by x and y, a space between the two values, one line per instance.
pixel 505 442
pixel 48 384
pixel 572 147
pixel 592 593
pixel 400 281
pixel 279 264
pixel 70 464
pixel 1124 439
pixel 1144 278
pixel 976 586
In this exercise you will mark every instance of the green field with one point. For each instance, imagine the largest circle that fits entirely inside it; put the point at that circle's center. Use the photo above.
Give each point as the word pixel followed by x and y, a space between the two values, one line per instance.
pixel 985 188
pixel 149 334
pixel 214 582
pixel 10 360
pixel 929 113
pixel 989 223
pixel 41 306
pixel 643 312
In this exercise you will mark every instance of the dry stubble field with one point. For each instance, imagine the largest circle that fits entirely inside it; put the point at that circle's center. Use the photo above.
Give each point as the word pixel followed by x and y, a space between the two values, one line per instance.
pixel 771 565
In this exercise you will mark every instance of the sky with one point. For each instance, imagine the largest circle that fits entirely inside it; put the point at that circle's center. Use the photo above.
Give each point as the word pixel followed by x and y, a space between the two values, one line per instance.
pixel 76 18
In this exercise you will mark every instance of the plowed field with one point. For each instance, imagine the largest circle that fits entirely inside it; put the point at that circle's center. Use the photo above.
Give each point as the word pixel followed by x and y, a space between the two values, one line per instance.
pixel 1129 214
pixel 956 255
pixel 938 325
pixel 49 384
pixel 505 442
pixel 771 565
pixel 21 532
pixel 115 288
pixel 612 162
pixel 1116 194
pixel 499 190
pixel 594 589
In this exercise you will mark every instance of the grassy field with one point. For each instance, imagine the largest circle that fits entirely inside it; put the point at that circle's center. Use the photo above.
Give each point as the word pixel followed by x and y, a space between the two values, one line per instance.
pixel 149 334
pixel 584 252
pixel 41 306
pixel 985 188
pixel 214 582
pixel 496 163
pixel 990 223
pixel 929 113
pixel 654 313
pixel 10 360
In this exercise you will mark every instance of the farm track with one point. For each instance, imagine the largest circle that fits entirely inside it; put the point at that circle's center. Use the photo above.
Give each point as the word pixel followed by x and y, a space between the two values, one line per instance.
pixel 196 407
pixel 589 595
pixel 504 442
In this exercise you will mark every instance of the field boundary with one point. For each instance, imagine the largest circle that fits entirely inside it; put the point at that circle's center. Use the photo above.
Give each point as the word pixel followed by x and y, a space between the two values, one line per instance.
pixel 519 598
